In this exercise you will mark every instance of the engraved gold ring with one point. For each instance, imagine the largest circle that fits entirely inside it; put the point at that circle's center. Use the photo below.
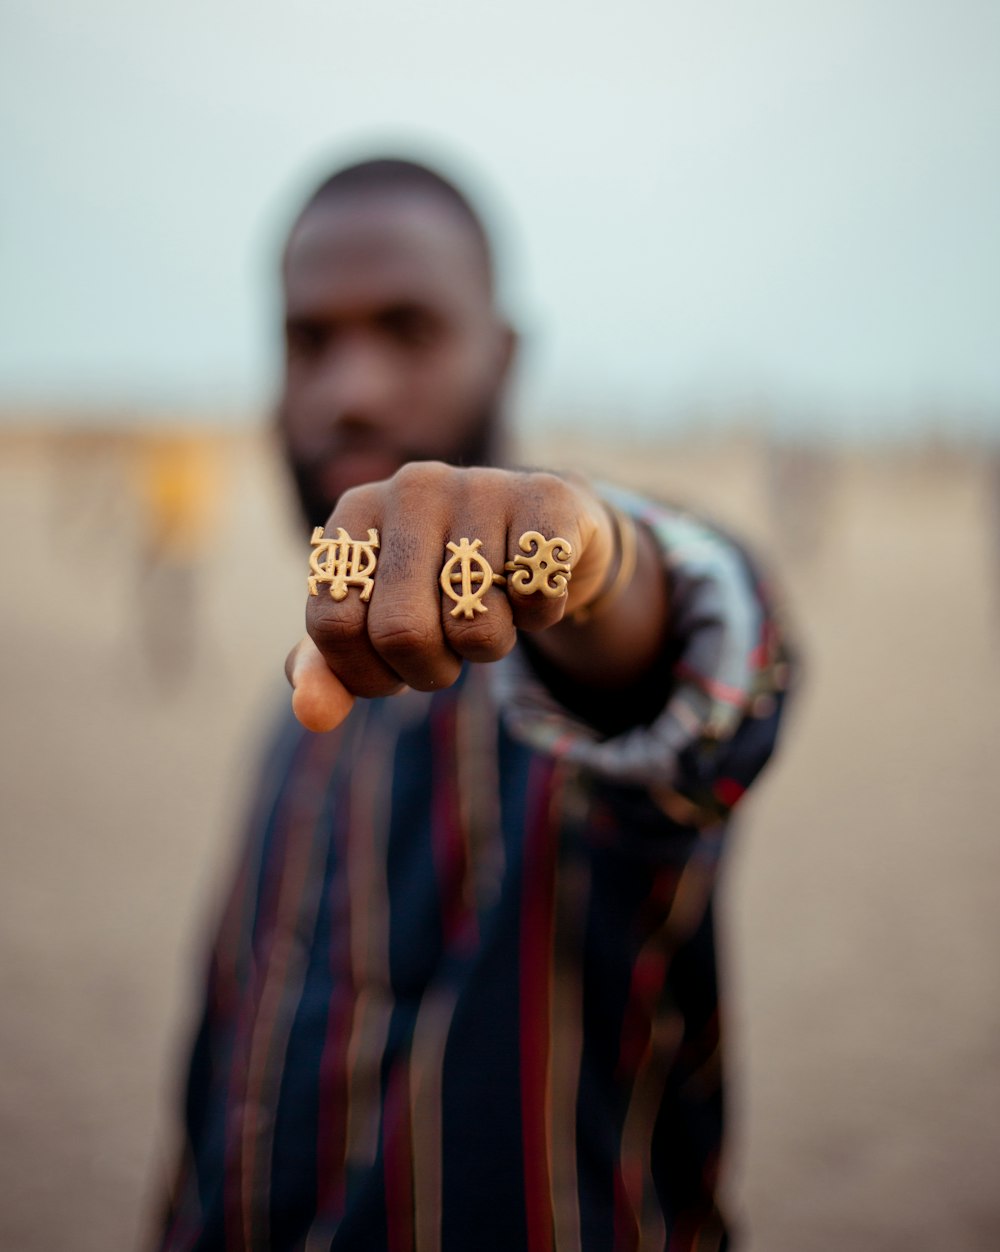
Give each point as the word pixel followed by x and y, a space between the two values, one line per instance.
pixel 540 566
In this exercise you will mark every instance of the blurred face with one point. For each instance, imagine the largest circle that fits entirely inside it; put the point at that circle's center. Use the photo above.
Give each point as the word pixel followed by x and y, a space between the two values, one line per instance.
pixel 393 349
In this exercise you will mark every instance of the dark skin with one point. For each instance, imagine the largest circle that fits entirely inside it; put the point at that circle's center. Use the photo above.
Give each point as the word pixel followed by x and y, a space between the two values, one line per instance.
pixel 396 363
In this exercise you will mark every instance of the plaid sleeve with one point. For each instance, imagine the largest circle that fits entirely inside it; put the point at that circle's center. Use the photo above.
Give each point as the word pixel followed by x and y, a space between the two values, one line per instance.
pixel 720 722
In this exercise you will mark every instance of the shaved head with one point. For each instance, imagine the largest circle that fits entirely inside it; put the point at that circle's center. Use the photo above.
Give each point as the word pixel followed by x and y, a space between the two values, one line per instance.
pixel 386 179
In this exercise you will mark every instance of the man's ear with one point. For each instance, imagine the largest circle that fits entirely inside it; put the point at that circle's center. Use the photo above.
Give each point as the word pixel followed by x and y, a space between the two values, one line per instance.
pixel 508 345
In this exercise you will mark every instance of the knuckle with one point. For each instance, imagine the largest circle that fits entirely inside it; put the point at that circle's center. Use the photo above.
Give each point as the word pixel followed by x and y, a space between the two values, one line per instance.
pixel 402 638
pixel 333 633
pixel 420 475
pixel 357 501
pixel 535 612
pixel 484 630
pixel 487 637
pixel 370 682
pixel 551 492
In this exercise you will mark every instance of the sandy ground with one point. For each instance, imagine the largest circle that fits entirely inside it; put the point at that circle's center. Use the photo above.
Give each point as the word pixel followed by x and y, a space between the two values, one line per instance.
pixel 861 919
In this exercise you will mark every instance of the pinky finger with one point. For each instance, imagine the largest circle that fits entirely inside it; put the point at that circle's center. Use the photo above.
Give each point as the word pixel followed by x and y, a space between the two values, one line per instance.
pixel 320 701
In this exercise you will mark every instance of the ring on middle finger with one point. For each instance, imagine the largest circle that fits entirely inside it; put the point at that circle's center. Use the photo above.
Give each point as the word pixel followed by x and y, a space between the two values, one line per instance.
pixel 467 576
pixel 342 562
pixel 542 565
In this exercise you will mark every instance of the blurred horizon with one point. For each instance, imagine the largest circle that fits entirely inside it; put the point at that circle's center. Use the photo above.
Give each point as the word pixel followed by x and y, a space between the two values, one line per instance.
pixel 918 434
pixel 705 217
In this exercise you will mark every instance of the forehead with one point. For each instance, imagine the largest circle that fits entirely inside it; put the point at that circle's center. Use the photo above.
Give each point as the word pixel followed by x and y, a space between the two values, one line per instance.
pixel 366 250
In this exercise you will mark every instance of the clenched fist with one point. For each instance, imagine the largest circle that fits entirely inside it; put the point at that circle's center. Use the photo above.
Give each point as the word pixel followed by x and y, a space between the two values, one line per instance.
pixel 395 623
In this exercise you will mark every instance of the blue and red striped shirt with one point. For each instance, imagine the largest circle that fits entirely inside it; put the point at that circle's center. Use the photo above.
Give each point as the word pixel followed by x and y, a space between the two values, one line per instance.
pixel 463 995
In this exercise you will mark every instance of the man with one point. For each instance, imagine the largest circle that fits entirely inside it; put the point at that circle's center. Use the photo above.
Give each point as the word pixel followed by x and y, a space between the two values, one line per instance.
pixel 463 995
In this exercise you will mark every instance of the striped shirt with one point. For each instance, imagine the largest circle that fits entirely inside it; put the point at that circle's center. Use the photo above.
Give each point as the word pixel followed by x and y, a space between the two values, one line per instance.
pixel 463 994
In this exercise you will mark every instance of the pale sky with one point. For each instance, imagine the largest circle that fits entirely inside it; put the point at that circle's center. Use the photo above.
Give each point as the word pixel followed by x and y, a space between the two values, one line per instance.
pixel 782 206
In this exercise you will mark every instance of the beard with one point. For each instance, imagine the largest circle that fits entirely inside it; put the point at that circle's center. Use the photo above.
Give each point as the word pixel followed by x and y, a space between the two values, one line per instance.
pixel 318 483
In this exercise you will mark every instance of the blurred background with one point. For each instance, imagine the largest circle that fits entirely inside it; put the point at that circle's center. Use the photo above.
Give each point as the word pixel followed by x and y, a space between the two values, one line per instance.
pixel 754 251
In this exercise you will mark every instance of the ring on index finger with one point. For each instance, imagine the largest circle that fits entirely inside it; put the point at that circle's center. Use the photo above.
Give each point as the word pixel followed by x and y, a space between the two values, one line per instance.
pixel 343 562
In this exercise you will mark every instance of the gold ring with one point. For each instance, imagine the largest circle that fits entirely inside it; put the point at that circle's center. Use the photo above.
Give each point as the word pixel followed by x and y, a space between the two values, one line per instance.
pixel 470 581
pixel 342 562
pixel 542 565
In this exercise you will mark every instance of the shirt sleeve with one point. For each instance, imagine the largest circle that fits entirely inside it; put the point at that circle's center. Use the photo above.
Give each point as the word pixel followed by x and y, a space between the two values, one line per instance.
pixel 719 724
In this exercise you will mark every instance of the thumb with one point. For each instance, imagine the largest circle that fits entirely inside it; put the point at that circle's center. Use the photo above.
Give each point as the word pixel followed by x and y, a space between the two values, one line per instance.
pixel 320 701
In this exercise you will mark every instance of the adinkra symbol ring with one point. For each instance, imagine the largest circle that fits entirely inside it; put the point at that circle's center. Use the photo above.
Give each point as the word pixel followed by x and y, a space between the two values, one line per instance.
pixel 343 562
pixel 466 577
pixel 542 565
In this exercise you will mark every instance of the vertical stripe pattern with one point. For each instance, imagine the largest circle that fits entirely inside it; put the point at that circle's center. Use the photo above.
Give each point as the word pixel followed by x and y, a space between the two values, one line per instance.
pixel 464 990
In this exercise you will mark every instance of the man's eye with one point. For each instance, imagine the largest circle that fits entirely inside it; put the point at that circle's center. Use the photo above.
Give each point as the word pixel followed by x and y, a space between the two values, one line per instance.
pixel 305 338
pixel 411 327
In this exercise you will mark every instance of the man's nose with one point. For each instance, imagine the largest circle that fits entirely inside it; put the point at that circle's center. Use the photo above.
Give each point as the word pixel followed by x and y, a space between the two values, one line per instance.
pixel 357 385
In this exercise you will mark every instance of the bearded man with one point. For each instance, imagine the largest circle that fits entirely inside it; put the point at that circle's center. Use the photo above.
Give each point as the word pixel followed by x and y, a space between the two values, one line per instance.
pixel 463 995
